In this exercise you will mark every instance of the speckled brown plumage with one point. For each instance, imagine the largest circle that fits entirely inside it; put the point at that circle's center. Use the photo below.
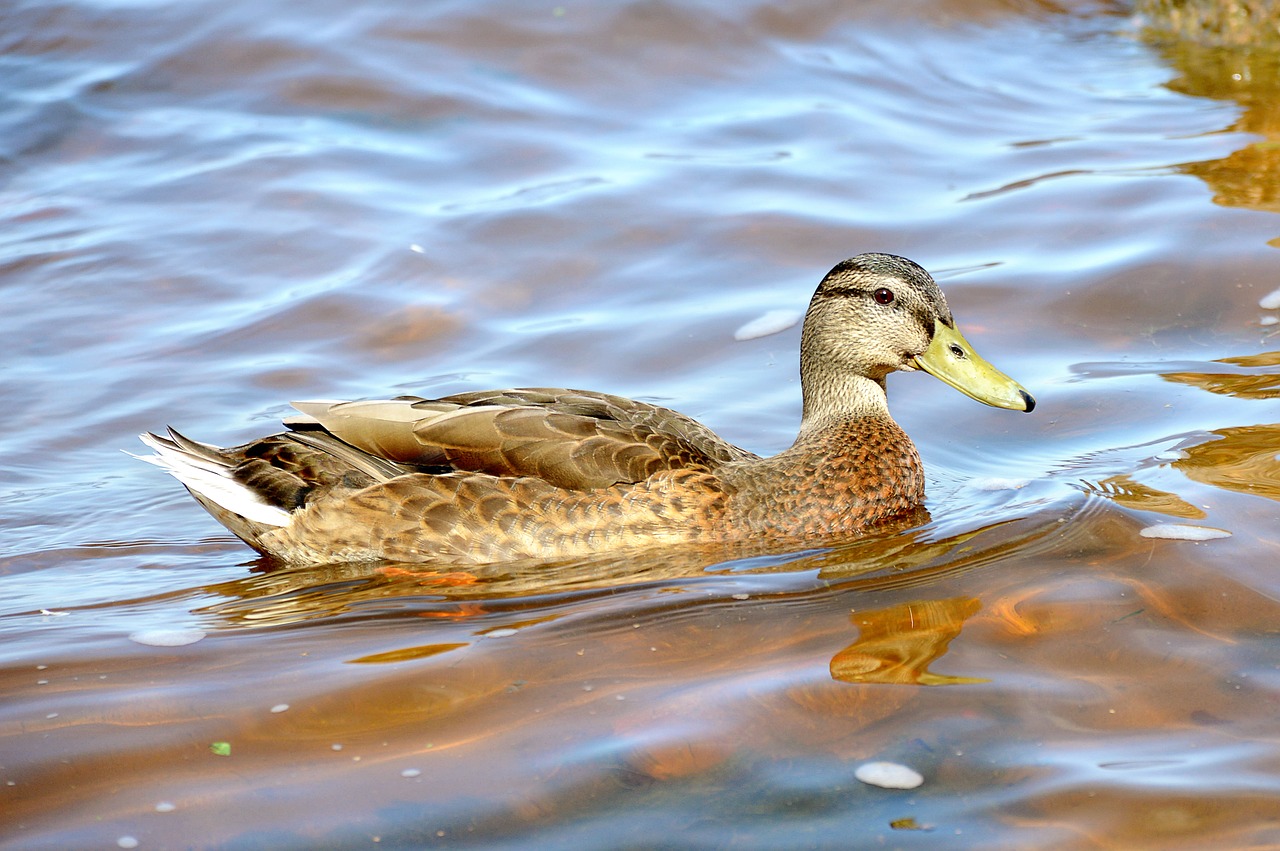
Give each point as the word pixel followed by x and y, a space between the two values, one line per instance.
pixel 501 475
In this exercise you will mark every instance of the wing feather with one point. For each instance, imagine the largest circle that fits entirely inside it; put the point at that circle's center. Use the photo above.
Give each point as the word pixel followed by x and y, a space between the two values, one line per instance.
pixel 568 438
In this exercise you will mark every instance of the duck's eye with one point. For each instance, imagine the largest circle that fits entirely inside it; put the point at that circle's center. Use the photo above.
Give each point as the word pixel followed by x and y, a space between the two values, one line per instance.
pixel 883 296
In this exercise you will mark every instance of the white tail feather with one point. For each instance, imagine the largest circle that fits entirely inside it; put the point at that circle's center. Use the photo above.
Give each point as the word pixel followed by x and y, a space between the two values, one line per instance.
pixel 212 481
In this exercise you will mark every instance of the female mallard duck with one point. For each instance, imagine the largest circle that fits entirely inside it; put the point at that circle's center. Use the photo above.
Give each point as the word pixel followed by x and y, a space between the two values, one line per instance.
pixel 506 474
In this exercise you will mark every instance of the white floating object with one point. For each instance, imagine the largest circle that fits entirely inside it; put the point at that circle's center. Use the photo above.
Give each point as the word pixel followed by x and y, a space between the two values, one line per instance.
pixel 166 807
pixel 1270 301
pixel 127 842
pixel 167 637
pixel 888 775
pixel 995 483
pixel 411 772
pixel 417 249
pixel 1268 320
pixel 280 707
pixel 1172 455
pixel 772 322
pixel 1181 532
pixel 500 632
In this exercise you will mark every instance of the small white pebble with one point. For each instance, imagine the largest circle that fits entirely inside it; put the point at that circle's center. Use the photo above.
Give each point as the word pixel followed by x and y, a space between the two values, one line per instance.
pixel 127 842
pixel 167 637
pixel 1268 320
pixel 166 807
pixel 411 772
pixel 503 632
pixel 1270 301
pixel 280 707
pixel 772 322
pixel 1180 532
pixel 888 775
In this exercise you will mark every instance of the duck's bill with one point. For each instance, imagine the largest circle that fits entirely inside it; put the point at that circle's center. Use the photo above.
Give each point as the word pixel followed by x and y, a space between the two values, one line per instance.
pixel 952 360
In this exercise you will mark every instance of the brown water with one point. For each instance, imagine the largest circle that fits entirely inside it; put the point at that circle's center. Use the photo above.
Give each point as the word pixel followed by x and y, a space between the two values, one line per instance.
pixel 210 209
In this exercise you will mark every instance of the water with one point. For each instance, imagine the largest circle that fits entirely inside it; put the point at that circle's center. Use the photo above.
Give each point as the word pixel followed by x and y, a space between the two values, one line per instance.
pixel 211 209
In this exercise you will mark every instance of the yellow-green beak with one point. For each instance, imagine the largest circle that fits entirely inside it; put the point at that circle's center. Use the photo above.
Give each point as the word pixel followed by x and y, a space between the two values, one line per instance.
pixel 952 360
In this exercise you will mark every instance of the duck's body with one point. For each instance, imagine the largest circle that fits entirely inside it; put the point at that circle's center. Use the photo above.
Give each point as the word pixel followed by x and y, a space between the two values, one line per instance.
pixel 503 475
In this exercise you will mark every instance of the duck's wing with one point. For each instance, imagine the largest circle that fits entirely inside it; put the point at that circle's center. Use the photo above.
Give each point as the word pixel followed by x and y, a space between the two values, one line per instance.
pixel 569 438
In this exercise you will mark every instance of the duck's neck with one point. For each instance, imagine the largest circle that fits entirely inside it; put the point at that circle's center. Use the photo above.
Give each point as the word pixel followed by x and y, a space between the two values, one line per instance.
pixel 832 401
pixel 850 467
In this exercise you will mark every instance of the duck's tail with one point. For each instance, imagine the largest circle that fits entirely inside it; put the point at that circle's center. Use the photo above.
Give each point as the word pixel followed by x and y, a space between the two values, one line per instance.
pixel 209 475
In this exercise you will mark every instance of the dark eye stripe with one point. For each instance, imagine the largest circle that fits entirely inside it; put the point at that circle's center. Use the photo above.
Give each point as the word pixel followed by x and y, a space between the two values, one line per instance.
pixel 922 314
pixel 843 292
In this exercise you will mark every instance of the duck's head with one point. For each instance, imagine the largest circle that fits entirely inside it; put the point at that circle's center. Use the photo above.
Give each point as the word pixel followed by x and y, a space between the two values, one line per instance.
pixel 876 313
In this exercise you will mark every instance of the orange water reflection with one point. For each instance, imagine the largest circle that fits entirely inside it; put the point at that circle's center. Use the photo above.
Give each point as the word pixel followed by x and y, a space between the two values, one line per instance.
pixel 898 644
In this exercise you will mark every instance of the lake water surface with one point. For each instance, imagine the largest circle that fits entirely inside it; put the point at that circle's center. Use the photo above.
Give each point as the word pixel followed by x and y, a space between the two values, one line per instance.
pixel 211 208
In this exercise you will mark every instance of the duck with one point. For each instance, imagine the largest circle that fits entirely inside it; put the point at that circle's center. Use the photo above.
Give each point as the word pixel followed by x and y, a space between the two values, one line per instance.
pixel 546 473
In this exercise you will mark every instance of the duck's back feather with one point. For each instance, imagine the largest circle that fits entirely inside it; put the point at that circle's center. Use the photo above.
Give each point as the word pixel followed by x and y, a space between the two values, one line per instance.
pixel 568 438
